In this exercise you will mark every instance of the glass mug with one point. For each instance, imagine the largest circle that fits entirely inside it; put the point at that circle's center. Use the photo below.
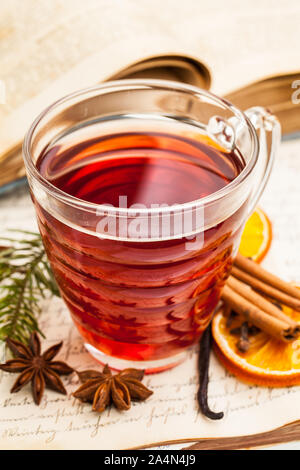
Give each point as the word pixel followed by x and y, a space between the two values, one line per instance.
pixel 142 189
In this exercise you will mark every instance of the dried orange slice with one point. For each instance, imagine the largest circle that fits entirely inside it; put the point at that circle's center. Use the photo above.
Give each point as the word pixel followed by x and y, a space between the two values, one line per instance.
pixel 268 361
pixel 257 236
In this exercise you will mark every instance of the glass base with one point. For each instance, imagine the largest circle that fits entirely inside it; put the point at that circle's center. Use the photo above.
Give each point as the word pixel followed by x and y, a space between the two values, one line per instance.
pixel 150 367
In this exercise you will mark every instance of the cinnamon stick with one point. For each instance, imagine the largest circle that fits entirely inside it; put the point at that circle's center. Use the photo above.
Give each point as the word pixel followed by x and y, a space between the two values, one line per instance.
pixel 260 302
pixel 265 288
pixel 257 271
pixel 271 325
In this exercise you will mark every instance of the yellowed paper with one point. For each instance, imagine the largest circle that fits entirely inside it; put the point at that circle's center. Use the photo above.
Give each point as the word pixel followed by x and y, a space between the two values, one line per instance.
pixel 171 413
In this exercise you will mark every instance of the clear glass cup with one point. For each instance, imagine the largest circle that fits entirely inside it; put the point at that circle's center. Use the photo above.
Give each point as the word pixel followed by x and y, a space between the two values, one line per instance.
pixel 142 283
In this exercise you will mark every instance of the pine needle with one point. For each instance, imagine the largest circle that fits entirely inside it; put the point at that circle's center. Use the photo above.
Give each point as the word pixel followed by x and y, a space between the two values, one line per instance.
pixel 25 278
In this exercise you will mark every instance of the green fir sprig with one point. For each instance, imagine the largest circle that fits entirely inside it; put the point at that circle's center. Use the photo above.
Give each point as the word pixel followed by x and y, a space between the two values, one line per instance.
pixel 25 279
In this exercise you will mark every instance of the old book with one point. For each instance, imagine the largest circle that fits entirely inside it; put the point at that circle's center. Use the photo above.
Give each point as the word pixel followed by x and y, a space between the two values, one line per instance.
pixel 245 54
pixel 60 48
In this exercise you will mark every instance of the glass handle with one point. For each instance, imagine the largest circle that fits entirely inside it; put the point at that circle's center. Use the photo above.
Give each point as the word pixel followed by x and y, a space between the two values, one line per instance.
pixel 269 134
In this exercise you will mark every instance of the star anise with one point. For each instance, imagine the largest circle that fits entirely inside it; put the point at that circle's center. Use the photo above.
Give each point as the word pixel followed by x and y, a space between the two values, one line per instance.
pixel 36 367
pixel 102 388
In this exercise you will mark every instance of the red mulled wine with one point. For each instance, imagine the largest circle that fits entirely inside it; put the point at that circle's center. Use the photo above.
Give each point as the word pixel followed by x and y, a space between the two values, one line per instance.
pixel 139 300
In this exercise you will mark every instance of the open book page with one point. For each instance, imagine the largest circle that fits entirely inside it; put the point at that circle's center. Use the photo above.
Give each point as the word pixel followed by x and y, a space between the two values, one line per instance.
pixel 49 49
pixel 171 413
pixel 69 45
pixel 40 41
